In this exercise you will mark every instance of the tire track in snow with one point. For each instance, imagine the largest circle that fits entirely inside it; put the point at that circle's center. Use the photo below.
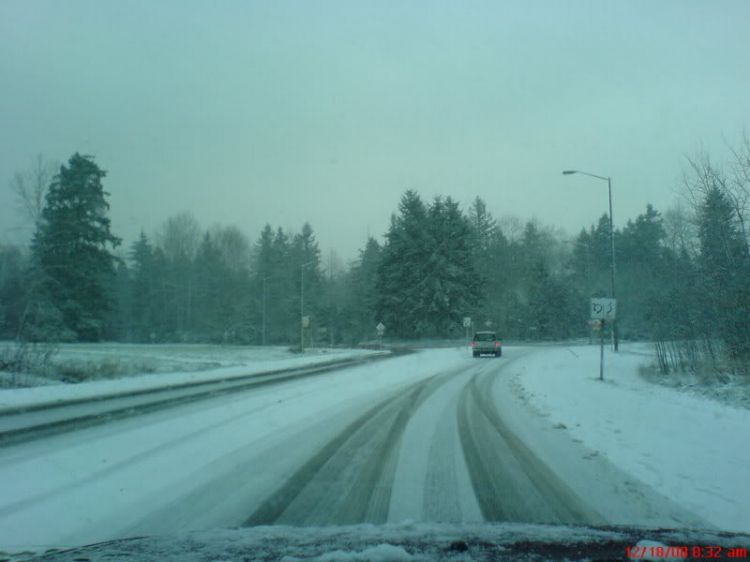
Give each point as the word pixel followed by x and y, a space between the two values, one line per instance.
pixel 431 481
pixel 510 482
pixel 147 453
pixel 351 479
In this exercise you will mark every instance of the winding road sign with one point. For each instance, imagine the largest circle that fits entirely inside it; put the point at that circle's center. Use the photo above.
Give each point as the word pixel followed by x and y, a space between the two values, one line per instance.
pixel 603 309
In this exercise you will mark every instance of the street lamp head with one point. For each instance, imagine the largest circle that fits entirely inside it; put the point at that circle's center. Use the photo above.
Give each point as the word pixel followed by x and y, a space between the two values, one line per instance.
pixel 568 172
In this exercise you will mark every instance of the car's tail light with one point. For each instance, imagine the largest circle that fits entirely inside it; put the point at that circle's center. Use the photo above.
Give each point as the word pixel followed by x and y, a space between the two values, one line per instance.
pixel 497 344
pixel 473 344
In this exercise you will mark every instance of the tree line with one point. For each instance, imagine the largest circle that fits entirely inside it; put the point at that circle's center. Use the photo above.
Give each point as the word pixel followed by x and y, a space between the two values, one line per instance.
pixel 682 275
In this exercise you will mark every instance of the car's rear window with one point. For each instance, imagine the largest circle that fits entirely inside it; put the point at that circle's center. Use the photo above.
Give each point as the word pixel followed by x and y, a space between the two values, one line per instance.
pixel 484 337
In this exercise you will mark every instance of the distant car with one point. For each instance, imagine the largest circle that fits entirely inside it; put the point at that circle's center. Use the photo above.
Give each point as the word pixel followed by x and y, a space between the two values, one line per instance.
pixel 486 343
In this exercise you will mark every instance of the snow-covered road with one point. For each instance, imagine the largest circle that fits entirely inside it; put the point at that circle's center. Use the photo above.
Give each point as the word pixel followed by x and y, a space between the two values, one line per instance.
pixel 435 436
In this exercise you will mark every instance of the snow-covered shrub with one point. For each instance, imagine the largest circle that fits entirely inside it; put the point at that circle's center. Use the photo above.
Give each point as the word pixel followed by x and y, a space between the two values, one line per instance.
pixel 26 358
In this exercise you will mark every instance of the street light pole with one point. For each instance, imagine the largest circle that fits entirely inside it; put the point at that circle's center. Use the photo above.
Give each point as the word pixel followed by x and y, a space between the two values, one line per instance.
pixel 612 242
pixel 302 304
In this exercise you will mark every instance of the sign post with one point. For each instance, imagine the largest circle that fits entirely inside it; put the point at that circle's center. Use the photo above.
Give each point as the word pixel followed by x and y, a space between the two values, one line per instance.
pixel 601 311
pixel 380 328
pixel 305 326
pixel 467 325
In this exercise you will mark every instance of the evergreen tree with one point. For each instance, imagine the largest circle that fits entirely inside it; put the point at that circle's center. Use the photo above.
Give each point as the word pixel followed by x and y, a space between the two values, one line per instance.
pixel 401 305
pixel 282 300
pixel 426 277
pixel 725 272
pixel 484 230
pixel 492 261
pixel 305 259
pixel 641 271
pixel 71 248
pixel 452 287
pixel 13 265
pixel 143 281
pixel 361 308
pixel 263 278
pixel 209 271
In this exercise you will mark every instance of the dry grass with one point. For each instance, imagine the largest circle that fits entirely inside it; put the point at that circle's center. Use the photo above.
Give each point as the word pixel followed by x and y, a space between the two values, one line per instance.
pixel 706 379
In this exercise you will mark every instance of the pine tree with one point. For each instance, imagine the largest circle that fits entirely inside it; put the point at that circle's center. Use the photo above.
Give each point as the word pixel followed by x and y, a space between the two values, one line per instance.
pixel 725 272
pixel 452 287
pixel 223 278
pixel 263 278
pixel 305 258
pixel 426 277
pixel 209 271
pixel 143 289
pixel 71 247
pixel 12 288
pixel 282 301
pixel 401 304
pixel 483 228
pixel 492 263
pixel 641 271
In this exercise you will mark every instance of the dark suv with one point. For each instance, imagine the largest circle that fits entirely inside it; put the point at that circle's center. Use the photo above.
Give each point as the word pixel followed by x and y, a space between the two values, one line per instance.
pixel 486 343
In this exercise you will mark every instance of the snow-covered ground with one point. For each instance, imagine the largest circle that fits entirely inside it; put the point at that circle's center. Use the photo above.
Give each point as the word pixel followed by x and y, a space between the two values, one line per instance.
pixel 692 449
pixel 203 466
pixel 154 366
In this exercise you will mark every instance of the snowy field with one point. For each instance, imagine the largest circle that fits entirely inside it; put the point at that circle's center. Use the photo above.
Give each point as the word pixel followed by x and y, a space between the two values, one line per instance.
pixel 153 366
pixel 634 452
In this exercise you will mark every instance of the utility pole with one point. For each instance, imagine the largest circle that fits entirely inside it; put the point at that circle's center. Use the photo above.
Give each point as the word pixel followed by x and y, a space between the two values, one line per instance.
pixel 615 337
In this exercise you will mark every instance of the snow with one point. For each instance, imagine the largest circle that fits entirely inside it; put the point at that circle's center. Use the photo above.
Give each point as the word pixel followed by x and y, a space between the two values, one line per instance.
pixel 379 553
pixel 647 547
pixel 167 365
pixel 689 448
pixel 206 461
pixel 100 483
pixel 422 542
pixel 420 467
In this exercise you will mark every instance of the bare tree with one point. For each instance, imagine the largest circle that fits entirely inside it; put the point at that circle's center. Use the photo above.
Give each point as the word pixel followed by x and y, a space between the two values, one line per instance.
pixel 30 187
pixel 739 183
pixel 512 227
pixel 234 247
pixel 680 229
pixel 179 239
pixel 335 265
pixel 180 236
pixel 705 175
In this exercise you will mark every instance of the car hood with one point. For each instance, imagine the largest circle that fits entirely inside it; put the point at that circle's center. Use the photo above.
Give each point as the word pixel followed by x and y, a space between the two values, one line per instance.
pixel 412 542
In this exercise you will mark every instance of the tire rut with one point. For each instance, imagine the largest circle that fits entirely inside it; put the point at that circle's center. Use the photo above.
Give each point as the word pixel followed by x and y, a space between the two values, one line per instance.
pixel 349 480
pixel 510 482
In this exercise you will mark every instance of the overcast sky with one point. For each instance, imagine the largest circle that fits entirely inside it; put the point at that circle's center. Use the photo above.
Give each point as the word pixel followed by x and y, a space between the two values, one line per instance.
pixel 251 112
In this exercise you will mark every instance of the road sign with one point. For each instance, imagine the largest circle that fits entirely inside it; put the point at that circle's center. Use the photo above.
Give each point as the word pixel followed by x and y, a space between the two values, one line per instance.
pixel 305 321
pixel 603 309
pixel 467 322
pixel 380 328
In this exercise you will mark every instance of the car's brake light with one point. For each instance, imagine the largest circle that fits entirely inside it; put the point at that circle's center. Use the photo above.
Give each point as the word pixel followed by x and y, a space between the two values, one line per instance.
pixel 497 344
pixel 473 344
